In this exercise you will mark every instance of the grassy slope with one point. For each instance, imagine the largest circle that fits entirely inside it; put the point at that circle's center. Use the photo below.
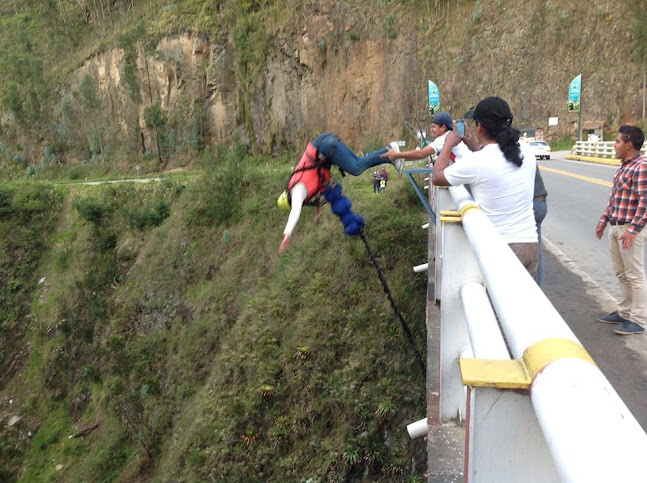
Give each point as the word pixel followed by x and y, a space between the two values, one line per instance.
pixel 202 354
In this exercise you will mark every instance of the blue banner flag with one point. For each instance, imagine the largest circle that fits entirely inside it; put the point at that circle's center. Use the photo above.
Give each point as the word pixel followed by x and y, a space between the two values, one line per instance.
pixel 574 94
pixel 434 99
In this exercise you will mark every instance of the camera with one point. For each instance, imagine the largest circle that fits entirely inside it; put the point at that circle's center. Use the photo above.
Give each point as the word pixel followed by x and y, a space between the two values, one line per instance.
pixel 460 128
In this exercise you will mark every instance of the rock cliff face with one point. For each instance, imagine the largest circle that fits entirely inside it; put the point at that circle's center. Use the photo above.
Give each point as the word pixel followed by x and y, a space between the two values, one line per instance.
pixel 303 90
pixel 352 72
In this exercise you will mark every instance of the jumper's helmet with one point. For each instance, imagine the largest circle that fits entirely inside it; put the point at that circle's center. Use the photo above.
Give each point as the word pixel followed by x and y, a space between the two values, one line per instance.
pixel 283 202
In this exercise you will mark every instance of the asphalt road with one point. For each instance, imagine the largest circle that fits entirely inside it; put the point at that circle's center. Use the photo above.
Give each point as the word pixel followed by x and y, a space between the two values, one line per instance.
pixel 578 193
pixel 579 277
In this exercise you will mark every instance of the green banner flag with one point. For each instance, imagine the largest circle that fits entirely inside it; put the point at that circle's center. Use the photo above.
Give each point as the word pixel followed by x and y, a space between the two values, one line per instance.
pixel 574 94
pixel 434 99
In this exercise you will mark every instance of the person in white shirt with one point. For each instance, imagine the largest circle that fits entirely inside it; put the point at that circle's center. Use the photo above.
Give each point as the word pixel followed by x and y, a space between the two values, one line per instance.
pixel 501 175
pixel 441 125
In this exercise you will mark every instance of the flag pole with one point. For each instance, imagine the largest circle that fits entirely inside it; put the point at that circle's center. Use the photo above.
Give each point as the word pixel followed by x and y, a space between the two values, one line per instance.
pixel 579 122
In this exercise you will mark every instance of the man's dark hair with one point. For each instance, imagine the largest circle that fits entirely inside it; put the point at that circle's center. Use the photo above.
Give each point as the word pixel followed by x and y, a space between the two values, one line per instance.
pixel 633 135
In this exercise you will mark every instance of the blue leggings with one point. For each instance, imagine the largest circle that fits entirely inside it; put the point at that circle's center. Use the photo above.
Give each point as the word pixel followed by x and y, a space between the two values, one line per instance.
pixel 338 154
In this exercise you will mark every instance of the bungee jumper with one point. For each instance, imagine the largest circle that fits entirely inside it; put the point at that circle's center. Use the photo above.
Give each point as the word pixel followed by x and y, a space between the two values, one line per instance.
pixel 311 177
pixel 310 184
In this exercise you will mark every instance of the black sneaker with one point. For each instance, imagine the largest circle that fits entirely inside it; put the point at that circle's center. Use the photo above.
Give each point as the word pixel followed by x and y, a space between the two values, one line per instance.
pixel 612 318
pixel 629 328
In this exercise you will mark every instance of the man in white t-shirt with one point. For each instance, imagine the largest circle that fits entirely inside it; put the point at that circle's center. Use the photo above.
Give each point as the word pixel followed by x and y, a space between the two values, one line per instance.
pixel 441 124
pixel 501 176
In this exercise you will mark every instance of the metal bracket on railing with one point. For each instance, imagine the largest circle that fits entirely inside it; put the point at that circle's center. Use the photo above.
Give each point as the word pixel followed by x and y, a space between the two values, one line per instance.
pixel 419 192
pixel 449 216
pixel 519 373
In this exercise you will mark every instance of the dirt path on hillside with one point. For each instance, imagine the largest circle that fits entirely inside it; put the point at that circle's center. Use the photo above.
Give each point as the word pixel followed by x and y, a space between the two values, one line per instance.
pixel 63 217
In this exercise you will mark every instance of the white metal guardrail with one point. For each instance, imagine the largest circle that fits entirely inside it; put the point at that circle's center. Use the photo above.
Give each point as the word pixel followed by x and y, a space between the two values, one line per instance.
pixel 602 149
pixel 536 408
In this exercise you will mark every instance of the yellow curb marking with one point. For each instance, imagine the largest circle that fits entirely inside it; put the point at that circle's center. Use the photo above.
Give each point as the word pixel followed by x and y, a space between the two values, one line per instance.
pixel 611 161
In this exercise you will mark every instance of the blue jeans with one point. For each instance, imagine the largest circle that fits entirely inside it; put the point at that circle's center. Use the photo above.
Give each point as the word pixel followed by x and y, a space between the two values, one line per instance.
pixel 540 208
pixel 338 154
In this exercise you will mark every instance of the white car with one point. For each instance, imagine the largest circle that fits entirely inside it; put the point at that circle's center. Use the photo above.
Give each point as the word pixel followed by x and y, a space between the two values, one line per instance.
pixel 541 149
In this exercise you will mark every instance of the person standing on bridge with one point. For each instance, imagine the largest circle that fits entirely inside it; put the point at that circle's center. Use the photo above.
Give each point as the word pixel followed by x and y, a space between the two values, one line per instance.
pixel 501 175
pixel 626 212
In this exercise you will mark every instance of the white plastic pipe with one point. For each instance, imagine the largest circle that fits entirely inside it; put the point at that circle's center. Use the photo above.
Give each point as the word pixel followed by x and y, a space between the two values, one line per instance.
pixel 418 429
pixel 525 314
pixel 421 268
pixel 581 417
pixel 485 334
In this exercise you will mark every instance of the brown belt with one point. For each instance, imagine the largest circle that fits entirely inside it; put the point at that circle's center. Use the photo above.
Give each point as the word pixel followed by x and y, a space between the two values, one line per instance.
pixel 616 222
pixel 540 198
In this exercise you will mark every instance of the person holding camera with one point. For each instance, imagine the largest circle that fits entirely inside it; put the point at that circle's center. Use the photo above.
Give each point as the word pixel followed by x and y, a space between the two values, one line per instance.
pixel 501 175
pixel 441 125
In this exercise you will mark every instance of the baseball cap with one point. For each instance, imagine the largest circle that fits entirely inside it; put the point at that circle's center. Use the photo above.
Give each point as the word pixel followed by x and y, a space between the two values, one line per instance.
pixel 493 108
pixel 443 119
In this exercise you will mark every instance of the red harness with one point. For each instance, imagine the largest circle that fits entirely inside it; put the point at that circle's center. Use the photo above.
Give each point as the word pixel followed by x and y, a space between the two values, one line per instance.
pixel 313 171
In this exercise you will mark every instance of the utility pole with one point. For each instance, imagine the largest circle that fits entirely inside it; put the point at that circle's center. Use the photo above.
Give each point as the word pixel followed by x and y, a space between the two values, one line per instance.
pixel 579 117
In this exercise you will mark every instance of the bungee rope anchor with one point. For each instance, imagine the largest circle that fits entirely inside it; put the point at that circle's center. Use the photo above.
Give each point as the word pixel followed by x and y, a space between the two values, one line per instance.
pixel 354 225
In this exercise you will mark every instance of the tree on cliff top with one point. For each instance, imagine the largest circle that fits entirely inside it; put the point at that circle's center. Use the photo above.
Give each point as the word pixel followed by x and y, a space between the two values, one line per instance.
pixel 155 119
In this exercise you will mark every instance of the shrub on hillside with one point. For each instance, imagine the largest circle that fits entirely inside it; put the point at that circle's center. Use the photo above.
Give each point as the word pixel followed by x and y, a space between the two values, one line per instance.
pixel 90 210
pixel 6 208
pixel 150 215
pixel 220 192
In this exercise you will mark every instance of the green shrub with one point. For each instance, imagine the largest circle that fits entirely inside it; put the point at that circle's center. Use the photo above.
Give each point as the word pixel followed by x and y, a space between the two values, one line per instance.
pixel 150 215
pixel 564 142
pixel 90 210
pixel 6 205
pixel 221 190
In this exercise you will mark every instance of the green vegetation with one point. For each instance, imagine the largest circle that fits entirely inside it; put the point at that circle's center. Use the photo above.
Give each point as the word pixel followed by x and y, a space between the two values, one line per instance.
pixel 108 85
pixel 27 214
pixel 563 143
pixel 163 313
